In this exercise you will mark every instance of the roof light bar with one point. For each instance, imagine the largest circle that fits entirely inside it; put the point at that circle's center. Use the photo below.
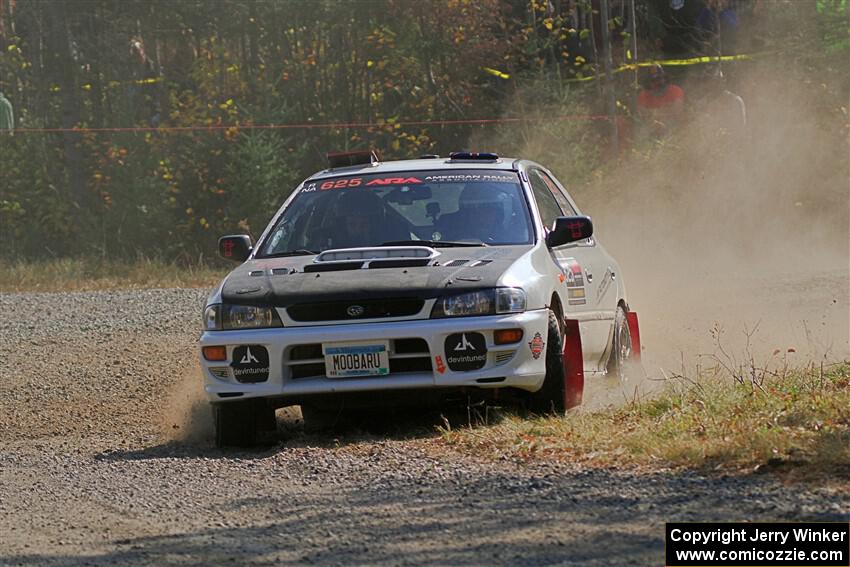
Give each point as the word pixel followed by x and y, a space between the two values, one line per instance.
pixel 474 156
pixel 348 159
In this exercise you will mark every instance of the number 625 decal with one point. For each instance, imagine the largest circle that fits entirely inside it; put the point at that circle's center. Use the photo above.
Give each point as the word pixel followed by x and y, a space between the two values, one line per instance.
pixel 341 183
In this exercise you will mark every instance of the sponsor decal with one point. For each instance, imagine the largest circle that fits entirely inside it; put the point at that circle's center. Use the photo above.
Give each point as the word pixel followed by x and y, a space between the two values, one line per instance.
pixel 536 345
pixel 350 182
pixel 470 178
pixel 441 366
pixel 576 228
pixel 250 363
pixel 575 281
pixel 466 351
pixel 395 181
pixel 605 283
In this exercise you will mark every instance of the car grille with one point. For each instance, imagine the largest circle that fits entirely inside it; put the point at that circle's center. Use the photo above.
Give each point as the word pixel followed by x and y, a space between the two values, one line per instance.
pixel 339 310
pixel 406 355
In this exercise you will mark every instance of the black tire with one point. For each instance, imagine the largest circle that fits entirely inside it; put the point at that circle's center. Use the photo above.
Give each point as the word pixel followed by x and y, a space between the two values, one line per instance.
pixel 621 346
pixel 550 397
pixel 239 424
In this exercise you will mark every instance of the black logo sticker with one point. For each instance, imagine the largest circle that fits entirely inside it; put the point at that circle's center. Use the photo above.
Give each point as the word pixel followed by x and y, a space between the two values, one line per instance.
pixel 466 351
pixel 250 363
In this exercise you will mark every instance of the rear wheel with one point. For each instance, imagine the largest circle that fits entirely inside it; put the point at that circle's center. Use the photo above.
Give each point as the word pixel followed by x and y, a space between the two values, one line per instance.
pixel 240 424
pixel 550 397
pixel 621 346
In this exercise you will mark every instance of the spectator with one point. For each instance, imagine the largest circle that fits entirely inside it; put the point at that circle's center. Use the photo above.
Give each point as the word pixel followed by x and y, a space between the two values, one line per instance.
pixel 660 104
pixel 718 24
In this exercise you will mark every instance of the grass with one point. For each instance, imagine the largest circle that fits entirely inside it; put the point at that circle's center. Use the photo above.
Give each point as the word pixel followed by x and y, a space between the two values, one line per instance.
pixel 796 421
pixel 84 274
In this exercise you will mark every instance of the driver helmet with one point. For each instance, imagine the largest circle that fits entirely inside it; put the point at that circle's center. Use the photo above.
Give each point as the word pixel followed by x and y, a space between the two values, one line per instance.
pixel 485 198
pixel 359 214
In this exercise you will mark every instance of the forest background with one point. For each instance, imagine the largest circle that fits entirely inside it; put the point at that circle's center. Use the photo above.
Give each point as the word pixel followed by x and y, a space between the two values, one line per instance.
pixel 148 128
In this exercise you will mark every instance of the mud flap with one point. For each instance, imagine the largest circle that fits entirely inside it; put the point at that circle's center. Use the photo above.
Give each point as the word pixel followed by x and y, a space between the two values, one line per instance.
pixel 634 333
pixel 573 365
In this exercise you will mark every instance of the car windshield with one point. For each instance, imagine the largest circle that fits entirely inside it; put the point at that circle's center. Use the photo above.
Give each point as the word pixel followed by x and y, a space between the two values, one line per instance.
pixel 438 208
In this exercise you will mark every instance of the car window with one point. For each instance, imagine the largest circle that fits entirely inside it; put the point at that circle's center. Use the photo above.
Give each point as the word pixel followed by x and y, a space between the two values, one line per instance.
pixel 549 208
pixel 559 196
pixel 470 206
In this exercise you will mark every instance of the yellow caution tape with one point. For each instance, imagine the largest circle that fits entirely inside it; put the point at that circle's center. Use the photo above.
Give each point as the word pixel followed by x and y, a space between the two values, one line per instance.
pixel 496 73
pixel 671 63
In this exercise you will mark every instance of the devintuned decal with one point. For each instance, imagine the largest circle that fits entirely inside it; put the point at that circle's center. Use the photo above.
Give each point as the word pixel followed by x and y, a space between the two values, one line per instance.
pixel 575 281
pixel 536 345
pixel 250 363
pixel 466 351
pixel 441 366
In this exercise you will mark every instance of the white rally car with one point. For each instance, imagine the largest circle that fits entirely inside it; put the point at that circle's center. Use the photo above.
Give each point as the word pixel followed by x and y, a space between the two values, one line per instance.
pixel 410 280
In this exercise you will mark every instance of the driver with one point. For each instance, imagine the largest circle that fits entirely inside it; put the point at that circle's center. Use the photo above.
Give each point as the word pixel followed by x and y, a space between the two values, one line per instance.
pixel 359 220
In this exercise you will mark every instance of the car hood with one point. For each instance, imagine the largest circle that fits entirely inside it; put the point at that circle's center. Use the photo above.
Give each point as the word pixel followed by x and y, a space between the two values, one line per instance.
pixel 284 281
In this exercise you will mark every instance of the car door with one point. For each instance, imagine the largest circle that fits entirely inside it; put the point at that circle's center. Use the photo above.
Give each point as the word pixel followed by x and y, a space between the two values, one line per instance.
pixel 588 270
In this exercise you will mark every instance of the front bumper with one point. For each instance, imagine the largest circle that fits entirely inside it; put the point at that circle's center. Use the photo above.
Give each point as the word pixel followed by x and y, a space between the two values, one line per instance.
pixel 519 365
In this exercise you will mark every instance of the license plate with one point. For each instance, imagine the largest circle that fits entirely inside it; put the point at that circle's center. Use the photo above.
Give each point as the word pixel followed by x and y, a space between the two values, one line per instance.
pixel 348 360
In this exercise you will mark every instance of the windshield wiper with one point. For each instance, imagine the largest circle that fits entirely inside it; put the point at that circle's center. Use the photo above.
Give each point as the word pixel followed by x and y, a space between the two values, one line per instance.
pixel 432 243
pixel 299 252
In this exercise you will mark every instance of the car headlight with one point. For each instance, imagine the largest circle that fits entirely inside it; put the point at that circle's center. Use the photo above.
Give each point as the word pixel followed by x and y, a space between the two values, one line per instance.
pixel 482 302
pixel 228 317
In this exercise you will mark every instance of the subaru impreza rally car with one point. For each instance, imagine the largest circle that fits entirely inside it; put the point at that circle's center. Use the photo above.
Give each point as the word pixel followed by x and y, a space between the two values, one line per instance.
pixel 422 278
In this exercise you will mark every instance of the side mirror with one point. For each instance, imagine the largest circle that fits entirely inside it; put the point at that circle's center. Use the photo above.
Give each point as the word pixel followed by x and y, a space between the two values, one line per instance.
pixel 236 247
pixel 569 229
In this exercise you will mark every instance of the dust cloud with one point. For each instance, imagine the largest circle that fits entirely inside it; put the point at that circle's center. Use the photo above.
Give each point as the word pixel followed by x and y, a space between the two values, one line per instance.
pixel 186 418
pixel 734 245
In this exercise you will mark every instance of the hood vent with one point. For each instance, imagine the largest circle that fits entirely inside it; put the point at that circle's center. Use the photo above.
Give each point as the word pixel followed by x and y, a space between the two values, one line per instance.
pixel 332 267
pixel 369 258
pixel 454 263
pixel 480 263
pixel 375 253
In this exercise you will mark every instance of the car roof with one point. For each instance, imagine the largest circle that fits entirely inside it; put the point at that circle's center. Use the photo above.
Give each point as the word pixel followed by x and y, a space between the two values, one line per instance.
pixel 502 164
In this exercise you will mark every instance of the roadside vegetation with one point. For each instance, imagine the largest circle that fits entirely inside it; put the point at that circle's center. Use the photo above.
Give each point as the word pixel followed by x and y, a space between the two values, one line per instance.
pixel 84 274
pixel 796 421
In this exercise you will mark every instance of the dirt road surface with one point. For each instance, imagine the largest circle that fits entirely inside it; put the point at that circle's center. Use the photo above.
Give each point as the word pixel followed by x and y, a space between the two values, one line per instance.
pixel 100 466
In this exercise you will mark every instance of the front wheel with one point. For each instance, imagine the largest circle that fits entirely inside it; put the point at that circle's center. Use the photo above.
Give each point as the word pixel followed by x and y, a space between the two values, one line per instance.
pixel 240 424
pixel 551 397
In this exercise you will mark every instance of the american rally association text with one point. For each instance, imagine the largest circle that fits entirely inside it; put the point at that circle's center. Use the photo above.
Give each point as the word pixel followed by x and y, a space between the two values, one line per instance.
pixel 727 536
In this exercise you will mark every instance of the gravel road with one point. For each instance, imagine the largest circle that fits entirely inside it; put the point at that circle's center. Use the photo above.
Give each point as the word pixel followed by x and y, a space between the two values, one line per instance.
pixel 98 466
